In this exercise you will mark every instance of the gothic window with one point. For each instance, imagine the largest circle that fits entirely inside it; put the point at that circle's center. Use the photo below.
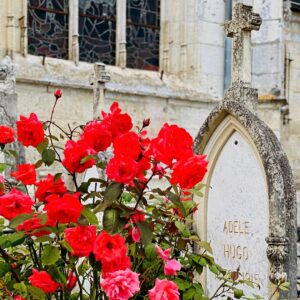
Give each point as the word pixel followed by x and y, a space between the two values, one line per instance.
pixel 97 31
pixel 48 28
pixel 142 34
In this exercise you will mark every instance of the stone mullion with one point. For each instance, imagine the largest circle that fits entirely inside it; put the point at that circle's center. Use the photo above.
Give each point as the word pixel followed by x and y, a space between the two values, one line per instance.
pixel 23 29
pixel 183 41
pixel 121 34
pixel 10 29
pixel 163 37
pixel 73 30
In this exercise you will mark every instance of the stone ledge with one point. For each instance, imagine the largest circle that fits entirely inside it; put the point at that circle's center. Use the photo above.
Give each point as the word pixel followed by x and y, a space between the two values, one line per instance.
pixel 31 70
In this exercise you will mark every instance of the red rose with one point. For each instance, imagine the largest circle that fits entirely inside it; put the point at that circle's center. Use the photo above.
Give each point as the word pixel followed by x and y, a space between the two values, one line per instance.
pixel 2 185
pixel 47 187
pixel 127 145
pixel 81 239
pixel 30 130
pixel 122 169
pixel 171 143
pixel 74 153
pixel 57 94
pixel 122 263
pixel 15 203
pixel 25 173
pixel 71 281
pixel 97 136
pixel 117 122
pixel 187 173
pixel 64 210
pixel 31 226
pixel 43 281
pixel 109 248
pixel 7 134
pixel 137 217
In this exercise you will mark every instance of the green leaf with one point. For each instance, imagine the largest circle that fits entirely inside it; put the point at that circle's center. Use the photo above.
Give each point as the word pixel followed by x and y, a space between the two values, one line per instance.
pixel 42 146
pixel 90 216
pixel 66 245
pixel 181 244
pixel 150 251
pixel 36 293
pixel 182 284
pixel 4 268
pixel 126 197
pixel 182 228
pixel 113 192
pixel 11 240
pixel 15 222
pixel 206 246
pixel 48 156
pixel 284 286
pixel 238 293
pixel 189 294
pixel 146 232
pixel 21 288
pixel 50 255
pixel 84 187
pixel 112 220
pixel 3 167
pixel 13 153
pixel 214 269
pixel 38 164
pixel 57 176
pixel 53 137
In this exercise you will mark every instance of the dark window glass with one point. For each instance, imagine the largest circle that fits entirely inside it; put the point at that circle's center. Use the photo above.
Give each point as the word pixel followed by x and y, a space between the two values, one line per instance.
pixel 295 5
pixel 142 34
pixel 97 31
pixel 48 28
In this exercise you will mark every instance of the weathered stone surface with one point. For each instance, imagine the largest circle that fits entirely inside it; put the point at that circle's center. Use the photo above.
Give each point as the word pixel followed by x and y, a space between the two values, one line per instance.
pixel 7 76
pixel 8 105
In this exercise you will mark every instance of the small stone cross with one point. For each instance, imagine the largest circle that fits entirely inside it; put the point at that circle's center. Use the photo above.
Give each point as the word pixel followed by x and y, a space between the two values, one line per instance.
pixel 100 77
pixel 239 28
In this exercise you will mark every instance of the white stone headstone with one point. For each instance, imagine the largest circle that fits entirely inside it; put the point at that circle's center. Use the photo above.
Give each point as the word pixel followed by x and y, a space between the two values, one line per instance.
pixel 238 214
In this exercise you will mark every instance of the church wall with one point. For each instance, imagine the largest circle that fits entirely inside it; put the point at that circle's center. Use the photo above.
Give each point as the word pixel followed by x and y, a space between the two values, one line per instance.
pixel 268 48
pixel 191 76
pixel 292 130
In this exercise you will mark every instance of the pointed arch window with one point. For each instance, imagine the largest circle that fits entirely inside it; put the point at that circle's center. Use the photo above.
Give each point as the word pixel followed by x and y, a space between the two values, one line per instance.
pixel 142 34
pixel 97 31
pixel 88 28
pixel 48 22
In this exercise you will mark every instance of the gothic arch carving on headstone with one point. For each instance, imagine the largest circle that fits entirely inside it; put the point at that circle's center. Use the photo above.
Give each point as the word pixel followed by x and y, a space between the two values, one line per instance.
pixel 281 241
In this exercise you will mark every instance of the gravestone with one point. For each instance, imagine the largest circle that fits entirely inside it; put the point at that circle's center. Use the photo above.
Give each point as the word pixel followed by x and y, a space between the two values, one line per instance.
pixel 248 212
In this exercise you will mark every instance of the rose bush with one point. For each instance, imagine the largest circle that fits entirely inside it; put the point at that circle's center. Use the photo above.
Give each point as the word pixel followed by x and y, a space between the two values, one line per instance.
pixel 112 237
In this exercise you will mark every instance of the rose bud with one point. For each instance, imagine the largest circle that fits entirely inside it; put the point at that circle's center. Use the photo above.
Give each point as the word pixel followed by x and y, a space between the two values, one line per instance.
pixel 146 122
pixel 57 94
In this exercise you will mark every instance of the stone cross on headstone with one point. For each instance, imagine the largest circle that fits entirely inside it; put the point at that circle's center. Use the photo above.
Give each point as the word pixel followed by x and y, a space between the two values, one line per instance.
pixel 239 28
pixel 248 212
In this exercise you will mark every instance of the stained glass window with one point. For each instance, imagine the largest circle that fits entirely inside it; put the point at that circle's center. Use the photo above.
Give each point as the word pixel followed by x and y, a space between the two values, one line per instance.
pixel 143 26
pixel 97 31
pixel 48 28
